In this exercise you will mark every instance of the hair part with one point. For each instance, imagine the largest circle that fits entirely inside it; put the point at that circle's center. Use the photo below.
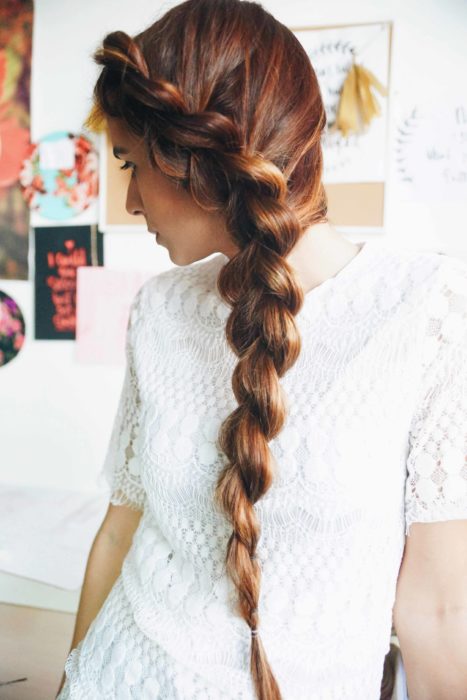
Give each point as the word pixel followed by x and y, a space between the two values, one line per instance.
pixel 228 104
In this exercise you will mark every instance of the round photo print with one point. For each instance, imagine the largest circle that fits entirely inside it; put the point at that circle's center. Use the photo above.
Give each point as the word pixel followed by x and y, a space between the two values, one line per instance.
pixel 12 328
pixel 59 176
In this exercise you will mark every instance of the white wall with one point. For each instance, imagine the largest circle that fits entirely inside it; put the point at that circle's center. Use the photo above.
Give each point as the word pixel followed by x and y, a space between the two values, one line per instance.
pixel 56 415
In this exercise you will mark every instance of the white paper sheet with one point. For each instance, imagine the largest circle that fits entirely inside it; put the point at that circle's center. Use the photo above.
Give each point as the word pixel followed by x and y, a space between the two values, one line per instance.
pixel 57 155
pixel 430 150
pixel 46 534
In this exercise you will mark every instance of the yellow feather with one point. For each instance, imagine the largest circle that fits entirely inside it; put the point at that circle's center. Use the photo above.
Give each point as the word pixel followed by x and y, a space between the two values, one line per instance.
pixel 357 103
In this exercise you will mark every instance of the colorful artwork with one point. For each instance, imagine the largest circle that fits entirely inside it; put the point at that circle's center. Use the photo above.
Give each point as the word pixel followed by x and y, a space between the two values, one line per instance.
pixel 14 146
pixel 60 251
pixel 12 328
pixel 15 71
pixel 59 176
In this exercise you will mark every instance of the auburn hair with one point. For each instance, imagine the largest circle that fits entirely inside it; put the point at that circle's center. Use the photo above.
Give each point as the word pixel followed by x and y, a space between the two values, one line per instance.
pixel 229 107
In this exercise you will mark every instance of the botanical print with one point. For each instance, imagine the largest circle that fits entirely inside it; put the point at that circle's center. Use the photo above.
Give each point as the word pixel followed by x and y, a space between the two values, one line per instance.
pixel 60 192
pixel 11 328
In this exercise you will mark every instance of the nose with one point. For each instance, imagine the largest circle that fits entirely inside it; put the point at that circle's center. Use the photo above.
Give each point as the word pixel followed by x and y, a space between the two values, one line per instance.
pixel 133 205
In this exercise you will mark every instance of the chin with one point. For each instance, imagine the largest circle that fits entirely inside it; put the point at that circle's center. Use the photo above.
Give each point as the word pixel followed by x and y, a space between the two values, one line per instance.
pixel 187 259
pixel 178 260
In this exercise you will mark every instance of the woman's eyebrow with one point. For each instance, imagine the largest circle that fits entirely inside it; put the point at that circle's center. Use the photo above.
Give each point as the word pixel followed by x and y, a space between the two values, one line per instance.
pixel 118 150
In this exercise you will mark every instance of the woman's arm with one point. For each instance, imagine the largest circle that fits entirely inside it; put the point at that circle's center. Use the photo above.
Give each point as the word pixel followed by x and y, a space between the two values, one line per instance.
pixel 430 613
pixel 109 548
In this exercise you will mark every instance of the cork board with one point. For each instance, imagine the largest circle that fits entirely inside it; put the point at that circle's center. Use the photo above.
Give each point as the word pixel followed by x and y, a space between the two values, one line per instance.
pixel 356 167
pixel 115 184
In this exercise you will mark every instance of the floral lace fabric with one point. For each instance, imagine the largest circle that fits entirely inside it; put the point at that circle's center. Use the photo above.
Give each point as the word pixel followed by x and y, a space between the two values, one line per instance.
pixel 375 440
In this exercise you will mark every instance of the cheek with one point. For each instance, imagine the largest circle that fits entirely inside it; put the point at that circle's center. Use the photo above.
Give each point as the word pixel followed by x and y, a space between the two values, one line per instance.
pixel 163 200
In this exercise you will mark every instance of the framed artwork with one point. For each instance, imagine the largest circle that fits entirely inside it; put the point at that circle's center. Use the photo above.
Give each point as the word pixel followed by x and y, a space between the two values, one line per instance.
pixel 355 165
pixel 59 252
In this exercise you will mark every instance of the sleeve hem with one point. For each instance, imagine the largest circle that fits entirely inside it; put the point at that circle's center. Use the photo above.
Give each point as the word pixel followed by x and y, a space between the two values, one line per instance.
pixel 118 498
pixel 123 494
pixel 442 513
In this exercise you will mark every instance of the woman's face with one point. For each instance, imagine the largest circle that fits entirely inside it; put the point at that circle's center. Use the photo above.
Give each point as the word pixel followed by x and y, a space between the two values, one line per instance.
pixel 188 232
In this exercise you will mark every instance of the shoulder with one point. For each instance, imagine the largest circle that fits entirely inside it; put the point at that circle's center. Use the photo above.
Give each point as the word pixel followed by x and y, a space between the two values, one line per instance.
pixel 423 278
pixel 445 298
pixel 439 303
pixel 403 265
pixel 452 277
pixel 446 330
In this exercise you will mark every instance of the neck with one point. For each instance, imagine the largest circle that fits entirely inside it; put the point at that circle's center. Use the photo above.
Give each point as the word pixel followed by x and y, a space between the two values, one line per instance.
pixel 319 254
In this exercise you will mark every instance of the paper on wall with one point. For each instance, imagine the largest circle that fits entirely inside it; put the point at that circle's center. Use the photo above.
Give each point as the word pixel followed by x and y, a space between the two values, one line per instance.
pixel 46 534
pixel 103 302
pixel 57 155
pixel 430 155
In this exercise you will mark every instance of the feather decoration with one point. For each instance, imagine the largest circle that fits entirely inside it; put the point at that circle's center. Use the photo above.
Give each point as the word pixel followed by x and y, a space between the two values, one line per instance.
pixel 357 104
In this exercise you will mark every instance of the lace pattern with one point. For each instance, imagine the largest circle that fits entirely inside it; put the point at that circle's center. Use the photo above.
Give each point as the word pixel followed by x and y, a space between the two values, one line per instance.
pixel 437 461
pixel 374 441
pixel 121 471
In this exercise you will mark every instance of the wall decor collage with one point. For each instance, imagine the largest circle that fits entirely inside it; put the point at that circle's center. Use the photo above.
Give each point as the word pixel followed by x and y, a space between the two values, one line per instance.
pixel 62 174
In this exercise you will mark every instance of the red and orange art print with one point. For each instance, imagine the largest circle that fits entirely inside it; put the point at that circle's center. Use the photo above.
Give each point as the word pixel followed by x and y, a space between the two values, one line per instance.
pixel 15 74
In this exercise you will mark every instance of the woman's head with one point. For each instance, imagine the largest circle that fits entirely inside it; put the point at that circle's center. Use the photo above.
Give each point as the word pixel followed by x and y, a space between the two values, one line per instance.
pixel 222 107
pixel 200 62
pixel 187 231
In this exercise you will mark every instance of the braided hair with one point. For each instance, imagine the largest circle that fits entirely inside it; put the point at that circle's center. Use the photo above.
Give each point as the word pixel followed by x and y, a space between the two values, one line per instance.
pixel 229 106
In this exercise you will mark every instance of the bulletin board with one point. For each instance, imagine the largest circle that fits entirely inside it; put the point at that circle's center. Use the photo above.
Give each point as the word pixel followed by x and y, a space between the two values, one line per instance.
pixel 355 167
pixel 114 184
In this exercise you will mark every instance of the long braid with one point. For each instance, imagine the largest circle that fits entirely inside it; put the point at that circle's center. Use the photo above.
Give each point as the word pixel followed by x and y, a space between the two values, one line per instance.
pixel 268 197
pixel 262 332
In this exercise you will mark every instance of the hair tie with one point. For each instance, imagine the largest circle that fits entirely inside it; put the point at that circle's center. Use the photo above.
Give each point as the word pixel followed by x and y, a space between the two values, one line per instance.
pixel 254 632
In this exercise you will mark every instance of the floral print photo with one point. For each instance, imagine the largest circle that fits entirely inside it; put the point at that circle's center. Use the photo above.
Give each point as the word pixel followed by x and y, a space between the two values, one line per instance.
pixel 60 193
pixel 12 328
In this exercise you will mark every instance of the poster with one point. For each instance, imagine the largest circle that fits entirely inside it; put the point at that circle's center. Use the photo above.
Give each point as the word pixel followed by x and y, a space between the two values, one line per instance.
pixel 59 175
pixel 355 166
pixel 104 299
pixel 15 74
pixel 12 328
pixel 430 150
pixel 59 252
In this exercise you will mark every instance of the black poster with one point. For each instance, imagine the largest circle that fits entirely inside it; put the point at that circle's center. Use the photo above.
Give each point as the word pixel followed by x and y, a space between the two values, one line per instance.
pixel 60 250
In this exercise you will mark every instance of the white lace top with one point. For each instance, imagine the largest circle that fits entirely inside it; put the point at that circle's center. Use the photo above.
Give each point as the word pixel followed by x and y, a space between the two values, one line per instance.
pixel 375 440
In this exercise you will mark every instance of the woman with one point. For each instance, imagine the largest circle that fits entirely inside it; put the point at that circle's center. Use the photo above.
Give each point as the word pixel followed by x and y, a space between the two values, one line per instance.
pixel 283 420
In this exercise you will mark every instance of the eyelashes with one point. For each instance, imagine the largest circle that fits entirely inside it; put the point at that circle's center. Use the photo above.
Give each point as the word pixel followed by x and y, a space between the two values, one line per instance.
pixel 127 165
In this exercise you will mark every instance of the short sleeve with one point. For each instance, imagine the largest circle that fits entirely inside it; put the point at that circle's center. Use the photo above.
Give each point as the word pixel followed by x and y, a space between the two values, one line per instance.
pixel 121 469
pixel 436 481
